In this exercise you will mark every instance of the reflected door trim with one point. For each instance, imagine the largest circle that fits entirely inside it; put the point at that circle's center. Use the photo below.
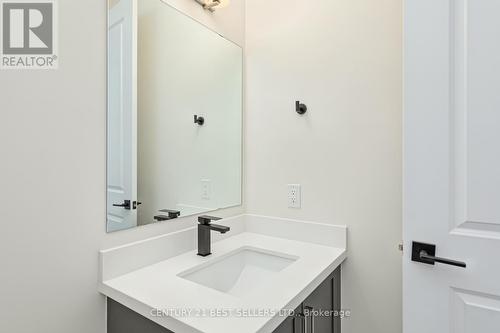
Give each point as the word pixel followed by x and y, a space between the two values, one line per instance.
pixel 122 116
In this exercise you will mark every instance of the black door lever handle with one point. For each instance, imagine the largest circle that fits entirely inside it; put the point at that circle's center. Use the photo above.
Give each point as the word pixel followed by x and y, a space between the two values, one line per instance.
pixel 125 204
pixel 426 254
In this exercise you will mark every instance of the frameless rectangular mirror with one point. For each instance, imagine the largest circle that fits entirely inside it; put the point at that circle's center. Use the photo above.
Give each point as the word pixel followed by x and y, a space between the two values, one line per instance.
pixel 174 116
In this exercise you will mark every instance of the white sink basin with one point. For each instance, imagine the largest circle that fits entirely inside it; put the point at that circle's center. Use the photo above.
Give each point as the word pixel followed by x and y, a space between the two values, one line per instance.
pixel 240 271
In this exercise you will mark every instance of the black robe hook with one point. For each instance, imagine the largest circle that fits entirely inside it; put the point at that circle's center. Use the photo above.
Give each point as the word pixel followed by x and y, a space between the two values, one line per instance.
pixel 300 108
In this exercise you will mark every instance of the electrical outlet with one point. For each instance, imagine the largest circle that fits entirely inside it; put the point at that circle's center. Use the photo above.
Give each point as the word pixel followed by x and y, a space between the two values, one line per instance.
pixel 206 189
pixel 294 196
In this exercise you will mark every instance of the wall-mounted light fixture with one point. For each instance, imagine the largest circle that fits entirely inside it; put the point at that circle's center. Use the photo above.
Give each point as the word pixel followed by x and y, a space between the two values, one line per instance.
pixel 211 5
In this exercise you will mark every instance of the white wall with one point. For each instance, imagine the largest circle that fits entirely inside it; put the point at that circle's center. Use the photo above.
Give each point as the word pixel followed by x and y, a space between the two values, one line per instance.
pixel 342 58
pixel 52 177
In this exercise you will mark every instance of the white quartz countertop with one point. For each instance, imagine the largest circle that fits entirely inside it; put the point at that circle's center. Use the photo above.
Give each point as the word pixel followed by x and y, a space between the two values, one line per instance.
pixel 180 305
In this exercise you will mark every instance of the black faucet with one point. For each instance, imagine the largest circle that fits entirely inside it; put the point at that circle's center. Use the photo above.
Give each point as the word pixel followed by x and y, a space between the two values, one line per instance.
pixel 172 214
pixel 204 229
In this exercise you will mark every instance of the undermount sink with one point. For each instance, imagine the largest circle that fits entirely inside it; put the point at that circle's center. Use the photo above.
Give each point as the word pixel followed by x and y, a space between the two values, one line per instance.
pixel 240 271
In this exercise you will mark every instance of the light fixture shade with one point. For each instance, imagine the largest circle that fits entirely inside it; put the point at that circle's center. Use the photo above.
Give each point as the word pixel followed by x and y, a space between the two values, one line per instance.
pixel 224 3
pixel 213 4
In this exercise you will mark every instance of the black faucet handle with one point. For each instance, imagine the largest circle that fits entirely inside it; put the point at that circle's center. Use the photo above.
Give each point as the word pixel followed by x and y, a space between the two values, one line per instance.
pixel 161 218
pixel 206 219
pixel 219 228
pixel 171 213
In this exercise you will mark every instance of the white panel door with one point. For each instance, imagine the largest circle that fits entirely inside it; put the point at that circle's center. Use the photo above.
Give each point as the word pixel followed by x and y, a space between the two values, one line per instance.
pixel 122 116
pixel 452 165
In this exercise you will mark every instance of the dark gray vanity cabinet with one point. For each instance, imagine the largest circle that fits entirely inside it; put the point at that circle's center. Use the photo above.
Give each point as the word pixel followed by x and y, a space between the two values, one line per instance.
pixel 123 320
pixel 319 312
pixel 315 315
pixel 291 325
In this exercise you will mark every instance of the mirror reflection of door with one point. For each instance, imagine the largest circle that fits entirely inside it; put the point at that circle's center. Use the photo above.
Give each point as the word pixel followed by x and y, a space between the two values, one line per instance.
pixel 122 116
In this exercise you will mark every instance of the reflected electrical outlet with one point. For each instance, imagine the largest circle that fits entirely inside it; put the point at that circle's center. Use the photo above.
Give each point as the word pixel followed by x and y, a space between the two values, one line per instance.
pixel 206 189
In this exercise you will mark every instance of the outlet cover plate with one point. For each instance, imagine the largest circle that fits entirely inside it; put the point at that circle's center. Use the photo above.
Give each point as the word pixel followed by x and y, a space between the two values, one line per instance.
pixel 294 196
pixel 206 189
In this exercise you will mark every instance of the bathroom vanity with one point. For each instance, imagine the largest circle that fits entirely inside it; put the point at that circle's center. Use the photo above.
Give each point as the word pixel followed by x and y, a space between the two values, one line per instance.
pixel 256 275
pixel 309 317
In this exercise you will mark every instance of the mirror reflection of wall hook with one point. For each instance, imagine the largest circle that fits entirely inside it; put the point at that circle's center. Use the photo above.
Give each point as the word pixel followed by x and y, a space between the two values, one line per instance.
pixel 199 120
